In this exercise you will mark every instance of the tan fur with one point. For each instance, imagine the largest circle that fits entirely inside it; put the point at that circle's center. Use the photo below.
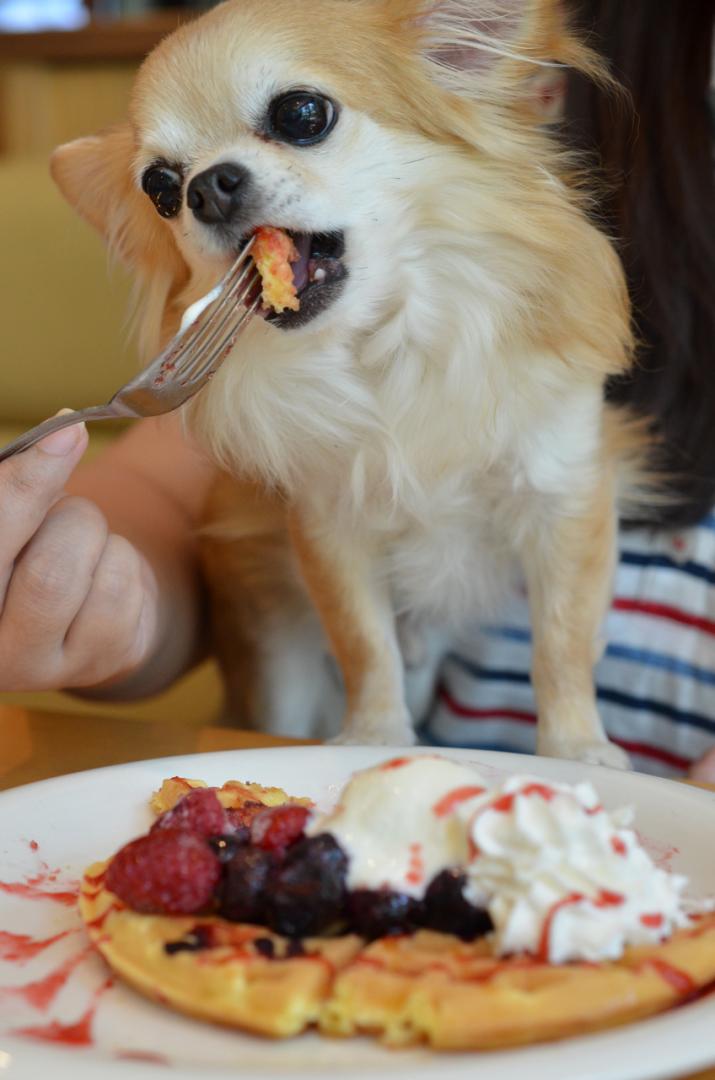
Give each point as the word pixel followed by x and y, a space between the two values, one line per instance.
pixel 356 613
pixel 250 580
pixel 569 574
pixel 95 174
pixel 564 330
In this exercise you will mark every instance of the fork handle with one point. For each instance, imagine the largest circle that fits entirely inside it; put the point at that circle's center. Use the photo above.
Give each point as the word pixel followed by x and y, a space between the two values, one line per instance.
pixel 56 423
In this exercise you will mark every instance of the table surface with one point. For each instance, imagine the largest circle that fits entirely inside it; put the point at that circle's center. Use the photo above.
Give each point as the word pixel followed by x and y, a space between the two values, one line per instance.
pixel 35 745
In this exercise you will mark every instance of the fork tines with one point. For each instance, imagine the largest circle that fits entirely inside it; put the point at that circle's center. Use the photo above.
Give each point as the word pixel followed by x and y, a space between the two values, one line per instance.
pixel 214 328
pixel 211 355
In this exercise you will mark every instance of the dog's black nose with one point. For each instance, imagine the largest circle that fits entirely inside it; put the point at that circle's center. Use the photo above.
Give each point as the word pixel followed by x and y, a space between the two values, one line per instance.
pixel 215 194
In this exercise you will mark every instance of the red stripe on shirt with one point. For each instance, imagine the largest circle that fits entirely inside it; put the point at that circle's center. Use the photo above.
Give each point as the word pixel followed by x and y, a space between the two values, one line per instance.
pixel 665 611
pixel 656 753
pixel 484 714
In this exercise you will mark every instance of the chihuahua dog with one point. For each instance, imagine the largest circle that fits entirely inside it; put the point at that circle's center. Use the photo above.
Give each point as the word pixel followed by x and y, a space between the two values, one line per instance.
pixel 432 420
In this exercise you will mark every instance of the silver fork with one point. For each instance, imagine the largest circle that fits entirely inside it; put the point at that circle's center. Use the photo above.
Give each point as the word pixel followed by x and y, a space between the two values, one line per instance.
pixel 190 359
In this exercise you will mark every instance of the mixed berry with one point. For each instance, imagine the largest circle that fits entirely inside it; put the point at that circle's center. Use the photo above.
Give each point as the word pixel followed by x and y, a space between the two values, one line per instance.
pixel 256 865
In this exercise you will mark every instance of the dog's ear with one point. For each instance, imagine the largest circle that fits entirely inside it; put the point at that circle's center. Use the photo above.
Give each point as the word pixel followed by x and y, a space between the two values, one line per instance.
pixel 503 49
pixel 95 175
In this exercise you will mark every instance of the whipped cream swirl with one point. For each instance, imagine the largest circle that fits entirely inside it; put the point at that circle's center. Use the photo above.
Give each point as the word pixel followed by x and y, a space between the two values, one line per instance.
pixel 564 879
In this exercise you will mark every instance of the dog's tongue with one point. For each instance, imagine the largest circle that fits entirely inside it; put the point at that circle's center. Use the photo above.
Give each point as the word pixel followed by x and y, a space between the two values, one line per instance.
pixel 300 267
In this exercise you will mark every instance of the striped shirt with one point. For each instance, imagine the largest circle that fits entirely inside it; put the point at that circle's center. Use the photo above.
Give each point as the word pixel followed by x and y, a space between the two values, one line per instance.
pixel 655 682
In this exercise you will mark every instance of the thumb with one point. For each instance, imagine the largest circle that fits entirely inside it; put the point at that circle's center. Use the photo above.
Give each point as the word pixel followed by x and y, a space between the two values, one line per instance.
pixel 29 485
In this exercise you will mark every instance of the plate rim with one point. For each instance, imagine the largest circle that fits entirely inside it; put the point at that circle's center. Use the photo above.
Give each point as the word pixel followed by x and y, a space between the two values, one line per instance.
pixel 647 779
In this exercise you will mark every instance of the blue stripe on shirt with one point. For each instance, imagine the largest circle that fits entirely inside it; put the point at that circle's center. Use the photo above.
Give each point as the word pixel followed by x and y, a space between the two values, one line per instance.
pixel 508 633
pixel 660 660
pixel 496 674
pixel 622 652
pixel 615 697
pixel 678 716
pixel 665 562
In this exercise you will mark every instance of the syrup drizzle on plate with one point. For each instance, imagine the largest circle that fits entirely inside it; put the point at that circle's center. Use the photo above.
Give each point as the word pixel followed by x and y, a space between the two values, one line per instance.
pixel 19 948
pixel 78 1033
pixel 42 992
pixel 32 888
pixel 147 1056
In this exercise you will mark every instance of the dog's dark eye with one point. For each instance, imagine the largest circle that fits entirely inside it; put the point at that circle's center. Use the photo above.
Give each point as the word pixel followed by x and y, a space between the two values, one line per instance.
pixel 163 186
pixel 302 117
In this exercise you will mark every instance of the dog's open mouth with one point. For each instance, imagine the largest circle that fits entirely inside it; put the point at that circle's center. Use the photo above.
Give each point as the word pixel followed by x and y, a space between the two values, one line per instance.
pixel 318 274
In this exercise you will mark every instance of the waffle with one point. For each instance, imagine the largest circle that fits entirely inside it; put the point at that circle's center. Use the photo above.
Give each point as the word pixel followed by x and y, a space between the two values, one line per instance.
pixel 273 253
pixel 230 983
pixel 234 794
pixel 432 988
pixel 425 987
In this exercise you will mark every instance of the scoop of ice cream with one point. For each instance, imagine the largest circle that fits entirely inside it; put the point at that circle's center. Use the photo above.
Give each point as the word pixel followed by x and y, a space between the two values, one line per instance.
pixel 564 879
pixel 398 823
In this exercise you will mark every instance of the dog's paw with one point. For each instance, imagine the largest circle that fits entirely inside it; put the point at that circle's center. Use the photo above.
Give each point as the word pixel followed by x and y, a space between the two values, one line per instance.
pixel 587 751
pixel 376 731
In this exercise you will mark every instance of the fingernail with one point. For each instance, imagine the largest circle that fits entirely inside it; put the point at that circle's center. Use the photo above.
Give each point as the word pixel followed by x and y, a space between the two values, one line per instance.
pixel 61 443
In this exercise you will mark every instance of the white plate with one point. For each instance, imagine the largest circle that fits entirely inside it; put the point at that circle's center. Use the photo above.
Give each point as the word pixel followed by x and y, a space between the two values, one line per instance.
pixel 66 823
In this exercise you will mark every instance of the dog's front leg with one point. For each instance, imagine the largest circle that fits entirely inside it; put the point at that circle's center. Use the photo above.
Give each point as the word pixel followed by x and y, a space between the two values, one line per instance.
pixel 569 562
pixel 358 620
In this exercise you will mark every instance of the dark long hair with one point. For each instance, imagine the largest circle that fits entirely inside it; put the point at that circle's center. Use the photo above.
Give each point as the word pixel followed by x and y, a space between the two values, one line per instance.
pixel 658 202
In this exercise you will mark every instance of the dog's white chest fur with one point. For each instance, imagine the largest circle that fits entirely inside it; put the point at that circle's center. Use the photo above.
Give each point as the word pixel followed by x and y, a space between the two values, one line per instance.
pixel 442 460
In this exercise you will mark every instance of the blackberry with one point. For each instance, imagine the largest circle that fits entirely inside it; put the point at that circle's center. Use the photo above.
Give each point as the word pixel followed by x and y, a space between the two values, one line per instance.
pixel 446 908
pixel 226 846
pixel 380 913
pixel 201 937
pixel 242 893
pixel 306 893
pixel 265 947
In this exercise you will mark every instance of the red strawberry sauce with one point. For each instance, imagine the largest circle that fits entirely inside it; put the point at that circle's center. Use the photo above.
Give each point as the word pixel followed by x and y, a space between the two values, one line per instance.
pixel 41 993
pixel 604 899
pixel 452 799
pixel 679 980
pixel 505 803
pixel 416 869
pixel 19 948
pixel 31 889
pixel 77 1034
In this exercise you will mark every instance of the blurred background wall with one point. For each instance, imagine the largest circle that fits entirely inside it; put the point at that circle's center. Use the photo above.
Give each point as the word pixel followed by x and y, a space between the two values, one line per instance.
pixel 66 65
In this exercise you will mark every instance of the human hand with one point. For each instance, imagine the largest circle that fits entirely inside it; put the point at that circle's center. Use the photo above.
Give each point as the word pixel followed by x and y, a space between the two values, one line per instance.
pixel 78 604
pixel 704 770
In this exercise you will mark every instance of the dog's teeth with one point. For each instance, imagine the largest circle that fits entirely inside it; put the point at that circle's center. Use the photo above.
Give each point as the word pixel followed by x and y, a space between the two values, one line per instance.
pixel 319 274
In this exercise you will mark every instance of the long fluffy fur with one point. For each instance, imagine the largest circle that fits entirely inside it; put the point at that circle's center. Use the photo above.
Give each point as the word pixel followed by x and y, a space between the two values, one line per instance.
pixel 445 420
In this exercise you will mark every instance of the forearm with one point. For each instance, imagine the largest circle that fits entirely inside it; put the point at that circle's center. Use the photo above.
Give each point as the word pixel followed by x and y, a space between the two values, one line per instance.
pixel 160 521
pixel 135 509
